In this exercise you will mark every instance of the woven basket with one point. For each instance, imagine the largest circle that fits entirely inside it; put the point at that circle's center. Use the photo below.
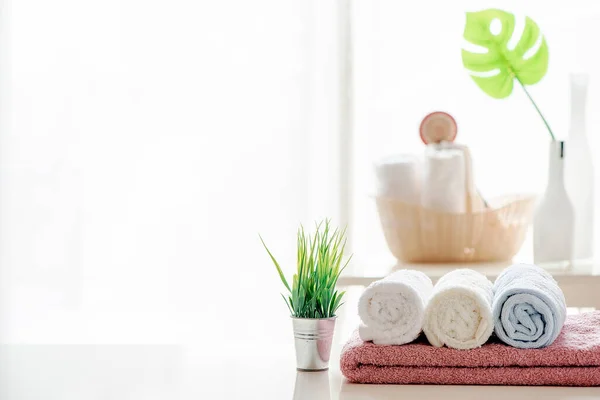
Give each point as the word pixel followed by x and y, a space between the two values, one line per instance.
pixel 415 234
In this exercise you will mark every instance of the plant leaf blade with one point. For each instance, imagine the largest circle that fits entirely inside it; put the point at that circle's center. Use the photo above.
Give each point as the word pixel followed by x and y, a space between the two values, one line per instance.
pixel 279 271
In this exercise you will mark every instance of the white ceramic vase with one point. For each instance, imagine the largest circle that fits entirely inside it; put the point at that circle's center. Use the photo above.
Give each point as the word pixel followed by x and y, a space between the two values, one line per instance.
pixel 553 223
pixel 579 171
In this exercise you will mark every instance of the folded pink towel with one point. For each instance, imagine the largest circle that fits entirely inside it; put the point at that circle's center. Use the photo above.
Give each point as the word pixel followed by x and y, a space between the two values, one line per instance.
pixel 572 360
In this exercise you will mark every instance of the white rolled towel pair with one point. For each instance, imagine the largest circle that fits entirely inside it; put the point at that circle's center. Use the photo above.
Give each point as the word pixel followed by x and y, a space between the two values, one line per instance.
pixel 457 312
pixel 392 309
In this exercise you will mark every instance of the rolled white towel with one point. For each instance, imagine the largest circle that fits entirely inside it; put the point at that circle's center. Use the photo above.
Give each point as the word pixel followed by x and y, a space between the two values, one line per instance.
pixel 444 179
pixel 459 313
pixel 399 177
pixel 392 309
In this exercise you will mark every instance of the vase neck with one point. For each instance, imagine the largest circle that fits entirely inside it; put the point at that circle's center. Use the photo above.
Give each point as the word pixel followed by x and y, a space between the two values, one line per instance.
pixel 579 84
pixel 556 167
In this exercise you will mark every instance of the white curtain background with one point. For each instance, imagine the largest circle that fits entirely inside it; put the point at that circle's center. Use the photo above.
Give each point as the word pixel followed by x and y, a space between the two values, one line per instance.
pixel 144 146
pixel 407 63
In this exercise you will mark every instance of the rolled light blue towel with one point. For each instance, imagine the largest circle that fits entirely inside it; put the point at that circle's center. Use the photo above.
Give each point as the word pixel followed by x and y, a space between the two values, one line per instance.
pixel 528 308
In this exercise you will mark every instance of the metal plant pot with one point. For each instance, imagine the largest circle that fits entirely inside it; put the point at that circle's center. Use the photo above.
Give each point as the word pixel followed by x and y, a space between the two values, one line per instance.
pixel 312 339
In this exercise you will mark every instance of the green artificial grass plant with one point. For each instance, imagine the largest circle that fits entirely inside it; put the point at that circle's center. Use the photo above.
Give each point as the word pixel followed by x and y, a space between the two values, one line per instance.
pixel 319 265
pixel 495 70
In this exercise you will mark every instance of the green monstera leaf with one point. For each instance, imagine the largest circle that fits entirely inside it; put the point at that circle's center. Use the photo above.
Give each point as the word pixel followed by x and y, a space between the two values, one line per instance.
pixel 510 64
pixel 496 70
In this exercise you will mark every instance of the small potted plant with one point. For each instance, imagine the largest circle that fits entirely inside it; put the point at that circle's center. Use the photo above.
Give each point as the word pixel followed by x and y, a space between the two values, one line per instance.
pixel 313 298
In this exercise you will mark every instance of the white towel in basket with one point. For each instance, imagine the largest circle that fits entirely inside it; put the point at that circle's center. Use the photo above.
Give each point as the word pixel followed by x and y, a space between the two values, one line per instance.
pixel 444 179
pixel 448 183
pixel 399 177
pixel 392 309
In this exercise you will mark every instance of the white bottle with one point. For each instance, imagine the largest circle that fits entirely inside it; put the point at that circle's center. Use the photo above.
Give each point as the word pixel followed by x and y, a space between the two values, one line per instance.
pixel 553 223
pixel 579 171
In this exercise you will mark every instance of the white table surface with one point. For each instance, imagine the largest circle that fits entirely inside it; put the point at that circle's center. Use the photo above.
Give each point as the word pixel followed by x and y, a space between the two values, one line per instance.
pixel 63 372
pixel 64 354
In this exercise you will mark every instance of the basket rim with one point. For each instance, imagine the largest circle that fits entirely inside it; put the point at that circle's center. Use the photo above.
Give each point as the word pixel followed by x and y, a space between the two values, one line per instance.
pixel 514 199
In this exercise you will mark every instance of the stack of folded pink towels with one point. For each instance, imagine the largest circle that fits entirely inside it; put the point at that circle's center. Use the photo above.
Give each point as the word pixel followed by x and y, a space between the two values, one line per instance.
pixel 512 332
